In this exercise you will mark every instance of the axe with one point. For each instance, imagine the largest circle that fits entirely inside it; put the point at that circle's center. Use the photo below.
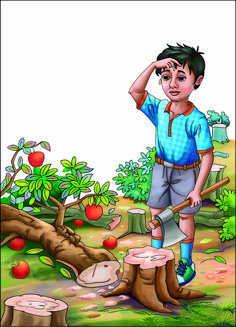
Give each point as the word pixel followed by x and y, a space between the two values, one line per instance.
pixel 171 233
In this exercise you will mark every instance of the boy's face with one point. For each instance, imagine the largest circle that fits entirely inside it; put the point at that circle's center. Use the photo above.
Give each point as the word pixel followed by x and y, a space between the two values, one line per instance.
pixel 178 83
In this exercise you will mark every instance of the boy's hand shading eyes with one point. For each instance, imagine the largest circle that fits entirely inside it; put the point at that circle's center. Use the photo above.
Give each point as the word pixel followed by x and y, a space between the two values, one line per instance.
pixel 167 63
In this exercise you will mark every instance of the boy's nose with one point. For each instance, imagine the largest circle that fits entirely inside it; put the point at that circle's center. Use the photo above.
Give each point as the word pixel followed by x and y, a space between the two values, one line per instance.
pixel 173 82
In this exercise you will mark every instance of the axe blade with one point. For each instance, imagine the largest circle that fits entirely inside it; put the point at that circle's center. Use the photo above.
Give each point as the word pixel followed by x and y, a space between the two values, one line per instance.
pixel 171 234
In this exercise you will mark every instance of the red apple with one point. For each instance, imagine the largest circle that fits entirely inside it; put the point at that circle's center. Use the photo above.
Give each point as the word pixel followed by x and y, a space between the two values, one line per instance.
pixel 78 222
pixel 93 212
pixel 17 244
pixel 36 159
pixel 110 242
pixel 21 270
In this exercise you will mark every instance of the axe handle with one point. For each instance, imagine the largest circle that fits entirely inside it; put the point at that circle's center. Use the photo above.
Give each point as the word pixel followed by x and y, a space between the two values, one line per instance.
pixel 156 223
pixel 204 193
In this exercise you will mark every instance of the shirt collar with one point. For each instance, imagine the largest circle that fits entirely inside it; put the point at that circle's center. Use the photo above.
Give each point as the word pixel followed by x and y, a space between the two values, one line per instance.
pixel 186 113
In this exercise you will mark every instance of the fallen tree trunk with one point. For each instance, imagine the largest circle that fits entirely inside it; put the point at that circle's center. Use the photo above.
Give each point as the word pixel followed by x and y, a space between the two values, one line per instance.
pixel 34 310
pixel 60 242
pixel 149 274
pixel 107 221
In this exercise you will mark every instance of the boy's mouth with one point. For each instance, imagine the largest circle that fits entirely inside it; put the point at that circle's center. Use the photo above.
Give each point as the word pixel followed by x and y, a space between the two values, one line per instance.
pixel 174 93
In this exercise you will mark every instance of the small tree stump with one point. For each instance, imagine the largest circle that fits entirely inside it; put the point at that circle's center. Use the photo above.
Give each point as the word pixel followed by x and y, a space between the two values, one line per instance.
pixel 215 175
pixel 136 222
pixel 149 274
pixel 34 310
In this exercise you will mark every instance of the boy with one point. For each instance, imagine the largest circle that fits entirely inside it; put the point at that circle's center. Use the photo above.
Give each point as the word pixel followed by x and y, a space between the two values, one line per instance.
pixel 182 133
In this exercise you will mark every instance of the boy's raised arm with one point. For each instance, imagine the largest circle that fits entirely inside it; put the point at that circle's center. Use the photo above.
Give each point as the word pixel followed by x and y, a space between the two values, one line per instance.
pixel 138 87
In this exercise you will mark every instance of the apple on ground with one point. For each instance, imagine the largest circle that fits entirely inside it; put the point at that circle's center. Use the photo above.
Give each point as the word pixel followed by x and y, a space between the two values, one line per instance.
pixel 17 244
pixel 110 242
pixel 78 222
pixel 93 212
pixel 21 270
pixel 36 158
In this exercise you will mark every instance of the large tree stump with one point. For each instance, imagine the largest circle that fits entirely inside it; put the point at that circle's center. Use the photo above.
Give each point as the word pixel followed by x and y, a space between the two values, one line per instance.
pixel 149 274
pixel 136 222
pixel 34 310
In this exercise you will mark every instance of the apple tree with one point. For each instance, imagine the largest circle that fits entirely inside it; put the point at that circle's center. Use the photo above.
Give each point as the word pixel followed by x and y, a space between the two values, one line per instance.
pixel 43 191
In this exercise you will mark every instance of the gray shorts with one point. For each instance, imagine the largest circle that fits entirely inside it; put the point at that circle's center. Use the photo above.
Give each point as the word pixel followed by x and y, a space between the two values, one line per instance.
pixel 171 186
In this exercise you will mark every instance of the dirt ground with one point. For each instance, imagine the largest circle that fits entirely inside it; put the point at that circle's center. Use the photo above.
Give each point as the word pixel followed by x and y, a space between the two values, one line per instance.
pixel 216 279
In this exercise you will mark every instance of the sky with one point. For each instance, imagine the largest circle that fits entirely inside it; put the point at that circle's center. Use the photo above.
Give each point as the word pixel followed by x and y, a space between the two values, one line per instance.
pixel 67 67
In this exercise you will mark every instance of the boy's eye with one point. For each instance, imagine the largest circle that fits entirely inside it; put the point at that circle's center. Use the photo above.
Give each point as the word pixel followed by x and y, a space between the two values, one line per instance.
pixel 181 78
pixel 165 77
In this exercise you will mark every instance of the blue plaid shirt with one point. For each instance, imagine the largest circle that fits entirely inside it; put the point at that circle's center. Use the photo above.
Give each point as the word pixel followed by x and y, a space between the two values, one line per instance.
pixel 181 140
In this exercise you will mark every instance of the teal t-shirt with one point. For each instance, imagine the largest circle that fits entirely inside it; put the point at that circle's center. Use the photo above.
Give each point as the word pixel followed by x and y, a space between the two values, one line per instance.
pixel 181 140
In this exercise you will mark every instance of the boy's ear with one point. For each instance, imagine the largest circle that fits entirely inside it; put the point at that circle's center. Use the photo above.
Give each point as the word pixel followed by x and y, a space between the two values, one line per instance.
pixel 199 80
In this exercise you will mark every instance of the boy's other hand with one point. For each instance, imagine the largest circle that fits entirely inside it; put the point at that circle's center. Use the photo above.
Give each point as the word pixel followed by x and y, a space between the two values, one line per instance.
pixel 167 63
pixel 195 198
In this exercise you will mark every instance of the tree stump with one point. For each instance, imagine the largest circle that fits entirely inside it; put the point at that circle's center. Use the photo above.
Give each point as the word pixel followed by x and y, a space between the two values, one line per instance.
pixel 149 274
pixel 219 133
pixel 34 310
pixel 215 175
pixel 136 222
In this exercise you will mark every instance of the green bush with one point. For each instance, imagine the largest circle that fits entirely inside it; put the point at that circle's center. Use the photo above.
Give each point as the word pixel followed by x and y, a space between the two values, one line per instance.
pixel 134 178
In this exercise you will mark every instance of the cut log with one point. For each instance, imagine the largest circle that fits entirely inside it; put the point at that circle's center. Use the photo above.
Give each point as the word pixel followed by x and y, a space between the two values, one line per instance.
pixel 34 310
pixel 136 222
pixel 149 274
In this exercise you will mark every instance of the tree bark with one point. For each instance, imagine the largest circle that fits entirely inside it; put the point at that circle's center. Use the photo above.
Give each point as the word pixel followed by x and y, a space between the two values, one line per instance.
pixel 136 222
pixel 34 310
pixel 149 275
pixel 60 242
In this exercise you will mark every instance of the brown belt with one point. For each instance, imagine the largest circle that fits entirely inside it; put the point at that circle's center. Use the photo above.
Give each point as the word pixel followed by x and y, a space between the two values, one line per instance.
pixel 170 165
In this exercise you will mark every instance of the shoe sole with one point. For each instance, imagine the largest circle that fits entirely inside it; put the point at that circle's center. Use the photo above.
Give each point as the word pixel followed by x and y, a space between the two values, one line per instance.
pixel 188 279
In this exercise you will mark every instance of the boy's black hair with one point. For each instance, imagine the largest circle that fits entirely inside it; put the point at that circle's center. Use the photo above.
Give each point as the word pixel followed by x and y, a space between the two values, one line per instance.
pixel 185 54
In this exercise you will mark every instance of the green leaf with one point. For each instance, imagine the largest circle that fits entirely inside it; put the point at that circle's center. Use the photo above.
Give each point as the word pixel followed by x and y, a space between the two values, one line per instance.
pixel 38 195
pixel 44 169
pixel 111 210
pixel 21 182
pixel 32 177
pixel 45 194
pixel 105 187
pixel 86 178
pixel 73 190
pixel 20 206
pixel 211 250
pixel 71 177
pixel 46 145
pixel 20 200
pixel 13 147
pixel 98 200
pixel 29 144
pixel 76 184
pixel 65 185
pixel 65 193
pixel 85 189
pixel 66 163
pixel 26 151
pixel 28 209
pixel 73 161
pixel 65 272
pixel 97 188
pixel 52 178
pixel 34 251
pixel 46 260
pixel 80 165
pixel 47 185
pixel 220 259
pixel 39 184
pixel 26 169
pixel 90 201
pixel 9 169
pixel 23 190
pixel 31 201
pixel 105 200
pixel 32 186
pixel 51 172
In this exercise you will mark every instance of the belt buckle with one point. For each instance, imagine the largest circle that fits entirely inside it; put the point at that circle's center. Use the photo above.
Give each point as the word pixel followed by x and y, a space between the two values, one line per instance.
pixel 168 164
